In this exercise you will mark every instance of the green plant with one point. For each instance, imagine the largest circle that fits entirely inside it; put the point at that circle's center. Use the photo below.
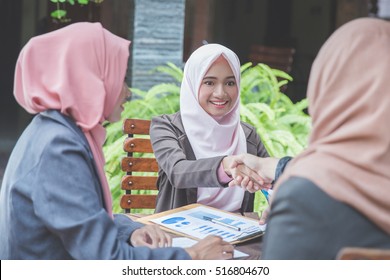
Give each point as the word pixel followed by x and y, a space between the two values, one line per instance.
pixel 60 13
pixel 282 125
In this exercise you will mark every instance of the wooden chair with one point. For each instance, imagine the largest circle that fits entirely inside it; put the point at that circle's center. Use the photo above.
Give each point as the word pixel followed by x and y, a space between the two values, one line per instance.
pixel 355 253
pixel 274 57
pixel 135 184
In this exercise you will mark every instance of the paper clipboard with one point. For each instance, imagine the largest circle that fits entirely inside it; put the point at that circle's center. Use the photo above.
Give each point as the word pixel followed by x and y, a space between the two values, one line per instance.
pixel 174 221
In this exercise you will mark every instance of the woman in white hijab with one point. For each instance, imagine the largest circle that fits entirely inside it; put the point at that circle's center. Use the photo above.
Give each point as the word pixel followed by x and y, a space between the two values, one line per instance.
pixel 193 146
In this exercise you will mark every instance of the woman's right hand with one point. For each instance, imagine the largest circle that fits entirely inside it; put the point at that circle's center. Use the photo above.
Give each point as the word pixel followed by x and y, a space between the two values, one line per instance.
pixel 211 248
pixel 260 175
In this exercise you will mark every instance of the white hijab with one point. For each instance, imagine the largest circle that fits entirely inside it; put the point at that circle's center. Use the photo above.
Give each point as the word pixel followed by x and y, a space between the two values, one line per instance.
pixel 209 136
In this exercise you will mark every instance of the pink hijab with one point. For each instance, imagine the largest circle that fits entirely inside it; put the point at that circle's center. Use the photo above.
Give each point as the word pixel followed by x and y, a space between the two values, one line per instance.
pixel 208 136
pixel 349 148
pixel 78 70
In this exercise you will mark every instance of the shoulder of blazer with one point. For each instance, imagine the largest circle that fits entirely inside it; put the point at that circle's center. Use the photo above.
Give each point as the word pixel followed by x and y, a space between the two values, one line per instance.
pixel 175 121
pixel 66 121
pixel 248 129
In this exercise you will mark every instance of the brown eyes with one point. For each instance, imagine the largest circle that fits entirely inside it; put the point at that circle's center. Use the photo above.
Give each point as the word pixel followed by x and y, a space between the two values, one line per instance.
pixel 231 83
pixel 211 83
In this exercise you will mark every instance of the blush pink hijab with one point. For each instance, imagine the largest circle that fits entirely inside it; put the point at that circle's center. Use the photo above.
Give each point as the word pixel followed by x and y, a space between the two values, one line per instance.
pixel 348 155
pixel 78 70
pixel 208 136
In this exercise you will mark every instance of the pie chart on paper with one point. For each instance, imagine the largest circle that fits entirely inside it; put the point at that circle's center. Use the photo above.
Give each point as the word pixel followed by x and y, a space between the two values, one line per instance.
pixel 173 220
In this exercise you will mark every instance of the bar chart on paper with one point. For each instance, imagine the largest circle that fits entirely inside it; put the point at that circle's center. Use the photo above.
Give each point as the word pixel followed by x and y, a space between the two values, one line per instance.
pixel 201 221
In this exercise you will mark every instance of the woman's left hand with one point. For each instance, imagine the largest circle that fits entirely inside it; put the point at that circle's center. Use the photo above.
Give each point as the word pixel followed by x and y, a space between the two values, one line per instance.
pixel 151 236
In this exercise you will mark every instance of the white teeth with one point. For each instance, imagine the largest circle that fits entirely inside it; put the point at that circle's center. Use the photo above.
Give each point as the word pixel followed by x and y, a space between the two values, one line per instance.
pixel 219 103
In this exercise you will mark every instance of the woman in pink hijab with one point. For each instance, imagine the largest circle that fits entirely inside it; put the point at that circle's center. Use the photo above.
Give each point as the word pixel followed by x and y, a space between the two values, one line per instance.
pixel 55 200
pixel 194 146
pixel 337 192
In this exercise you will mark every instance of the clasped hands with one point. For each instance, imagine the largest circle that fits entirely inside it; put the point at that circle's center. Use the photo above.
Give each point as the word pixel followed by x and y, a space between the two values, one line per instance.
pixel 250 172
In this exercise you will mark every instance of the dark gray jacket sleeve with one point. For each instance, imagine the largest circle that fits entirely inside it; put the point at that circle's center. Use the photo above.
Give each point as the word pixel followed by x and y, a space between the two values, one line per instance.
pixel 70 205
pixel 282 163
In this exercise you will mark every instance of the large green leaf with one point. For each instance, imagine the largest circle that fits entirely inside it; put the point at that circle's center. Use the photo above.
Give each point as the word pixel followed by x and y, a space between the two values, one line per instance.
pixel 262 108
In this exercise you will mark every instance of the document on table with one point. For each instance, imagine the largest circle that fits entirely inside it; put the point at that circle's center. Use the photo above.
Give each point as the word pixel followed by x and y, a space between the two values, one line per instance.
pixel 185 242
pixel 200 221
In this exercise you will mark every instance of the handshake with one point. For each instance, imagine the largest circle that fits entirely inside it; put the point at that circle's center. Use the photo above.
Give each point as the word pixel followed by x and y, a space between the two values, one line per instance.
pixel 250 172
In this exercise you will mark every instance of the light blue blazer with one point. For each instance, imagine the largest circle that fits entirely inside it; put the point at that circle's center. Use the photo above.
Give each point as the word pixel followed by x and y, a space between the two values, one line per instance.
pixel 51 203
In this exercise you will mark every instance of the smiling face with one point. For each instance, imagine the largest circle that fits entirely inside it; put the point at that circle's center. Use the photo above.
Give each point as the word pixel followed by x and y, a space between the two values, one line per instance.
pixel 218 91
pixel 118 109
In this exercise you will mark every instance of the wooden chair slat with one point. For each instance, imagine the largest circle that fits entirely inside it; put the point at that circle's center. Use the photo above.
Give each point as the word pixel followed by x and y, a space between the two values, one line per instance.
pixel 356 253
pixel 133 164
pixel 140 158
pixel 136 126
pixel 129 201
pixel 130 182
pixel 140 145
pixel 275 57
pixel 271 60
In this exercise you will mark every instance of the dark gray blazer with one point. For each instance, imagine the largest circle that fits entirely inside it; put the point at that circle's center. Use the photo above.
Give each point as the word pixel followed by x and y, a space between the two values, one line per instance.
pixel 51 203
pixel 180 172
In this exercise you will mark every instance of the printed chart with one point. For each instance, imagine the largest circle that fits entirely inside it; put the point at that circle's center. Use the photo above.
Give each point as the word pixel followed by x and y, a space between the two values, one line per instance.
pixel 201 221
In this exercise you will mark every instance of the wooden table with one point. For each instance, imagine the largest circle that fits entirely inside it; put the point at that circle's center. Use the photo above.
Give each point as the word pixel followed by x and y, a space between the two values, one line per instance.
pixel 251 247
